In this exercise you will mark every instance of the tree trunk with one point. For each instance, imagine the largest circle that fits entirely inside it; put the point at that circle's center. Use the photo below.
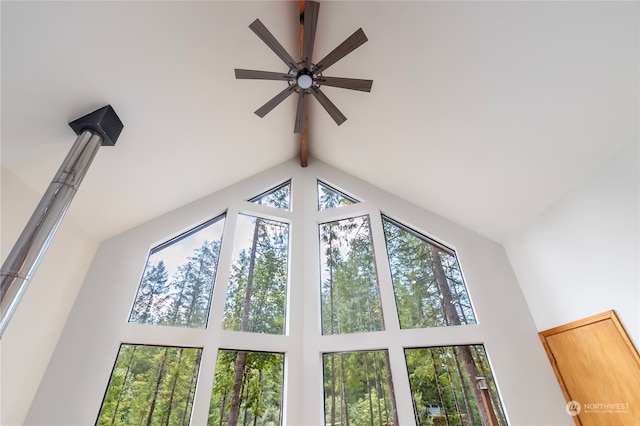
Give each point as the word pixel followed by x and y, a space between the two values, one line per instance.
pixel 241 358
pixel 368 384
pixel 379 389
pixel 222 406
pixel 455 396
pixel 452 317
pixel 333 390
pixel 435 376
pixel 492 395
pixel 246 398
pixel 331 323
pixel 343 400
pixel 157 390
pixel 173 387
pixel 124 382
pixel 465 393
pixel 191 383
pixel 236 397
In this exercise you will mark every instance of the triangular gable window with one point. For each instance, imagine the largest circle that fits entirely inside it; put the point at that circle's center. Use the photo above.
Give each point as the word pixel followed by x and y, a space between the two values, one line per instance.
pixel 329 197
pixel 278 197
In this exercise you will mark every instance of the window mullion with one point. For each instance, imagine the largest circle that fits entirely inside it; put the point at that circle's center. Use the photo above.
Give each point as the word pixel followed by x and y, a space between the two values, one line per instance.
pixel 388 302
pixel 202 397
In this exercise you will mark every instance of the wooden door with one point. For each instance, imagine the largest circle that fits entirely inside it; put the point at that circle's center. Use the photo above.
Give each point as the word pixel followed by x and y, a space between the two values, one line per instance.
pixel 598 369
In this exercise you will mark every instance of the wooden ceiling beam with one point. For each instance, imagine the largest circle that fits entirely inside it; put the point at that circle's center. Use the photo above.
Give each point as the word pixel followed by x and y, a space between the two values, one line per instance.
pixel 304 136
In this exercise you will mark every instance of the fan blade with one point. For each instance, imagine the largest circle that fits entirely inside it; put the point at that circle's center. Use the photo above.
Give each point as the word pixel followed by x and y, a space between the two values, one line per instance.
pixel 262 75
pixel 354 41
pixel 346 83
pixel 268 38
pixel 333 111
pixel 311 9
pixel 275 101
pixel 302 106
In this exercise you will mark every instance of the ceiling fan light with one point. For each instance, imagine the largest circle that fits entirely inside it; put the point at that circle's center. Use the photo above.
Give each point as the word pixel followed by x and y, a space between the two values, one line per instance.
pixel 305 81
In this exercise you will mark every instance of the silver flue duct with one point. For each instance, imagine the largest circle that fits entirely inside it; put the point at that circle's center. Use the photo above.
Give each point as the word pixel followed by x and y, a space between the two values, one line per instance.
pixel 101 127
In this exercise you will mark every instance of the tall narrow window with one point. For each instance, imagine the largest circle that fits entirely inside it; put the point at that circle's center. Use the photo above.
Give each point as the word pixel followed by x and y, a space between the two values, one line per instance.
pixel 151 385
pixel 329 197
pixel 256 294
pixel 278 197
pixel 358 389
pixel 350 292
pixel 247 389
pixel 427 280
pixel 178 279
pixel 453 385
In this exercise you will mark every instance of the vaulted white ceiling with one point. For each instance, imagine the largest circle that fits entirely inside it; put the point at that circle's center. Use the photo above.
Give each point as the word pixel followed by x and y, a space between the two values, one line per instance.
pixel 483 112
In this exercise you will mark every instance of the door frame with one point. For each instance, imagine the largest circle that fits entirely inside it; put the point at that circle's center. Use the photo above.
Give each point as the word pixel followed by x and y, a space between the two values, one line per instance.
pixel 604 316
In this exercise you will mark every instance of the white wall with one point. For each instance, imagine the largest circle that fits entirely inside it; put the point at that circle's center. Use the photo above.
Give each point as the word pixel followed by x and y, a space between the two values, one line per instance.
pixel 581 257
pixel 74 383
pixel 33 333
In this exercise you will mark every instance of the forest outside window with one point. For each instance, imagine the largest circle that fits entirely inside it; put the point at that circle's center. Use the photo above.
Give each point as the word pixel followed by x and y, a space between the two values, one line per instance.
pixel 156 384
pixel 151 385
pixel 178 279
pixel 256 295
pixel 247 389
pixel 350 291
pixel 358 389
pixel 427 280
pixel 329 197
pixel 278 197
pixel 453 385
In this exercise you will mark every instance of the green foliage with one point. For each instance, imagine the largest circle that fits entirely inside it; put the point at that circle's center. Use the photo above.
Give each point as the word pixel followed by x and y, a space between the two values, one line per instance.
pixel 261 389
pixel 356 388
pixel 184 299
pixel 151 385
pixel 350 293
pixel 438 381
pixel 259 277
pixel 419 297
pixel 329 198
pixel 279 197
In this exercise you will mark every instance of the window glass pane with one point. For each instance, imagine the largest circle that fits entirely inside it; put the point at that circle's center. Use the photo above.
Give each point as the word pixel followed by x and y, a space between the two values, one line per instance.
pixel 358 389
pixel 256 294
pixel 350 292
pixel 329 198
pixel 427 280
pixel 247 389
pixel 151 385
pixel 453 385
pixel 278 197
pixel 178 279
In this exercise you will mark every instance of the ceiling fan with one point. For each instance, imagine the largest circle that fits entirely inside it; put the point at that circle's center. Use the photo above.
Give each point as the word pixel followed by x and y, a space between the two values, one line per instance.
pixel 306 77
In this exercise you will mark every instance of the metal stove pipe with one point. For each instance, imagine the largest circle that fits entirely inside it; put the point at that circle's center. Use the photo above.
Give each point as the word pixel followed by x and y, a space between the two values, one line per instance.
pixel 101 127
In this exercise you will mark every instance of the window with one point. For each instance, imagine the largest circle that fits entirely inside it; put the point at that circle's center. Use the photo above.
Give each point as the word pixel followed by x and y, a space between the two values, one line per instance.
pixel 329 198
pixel 257 288
pixel 453 385
pixel 247 388
pixel 427 280
pixel 374 293
pixel 278 197
pixel 151 385
pixel 178 279
pixel 350 292
pixel 358 389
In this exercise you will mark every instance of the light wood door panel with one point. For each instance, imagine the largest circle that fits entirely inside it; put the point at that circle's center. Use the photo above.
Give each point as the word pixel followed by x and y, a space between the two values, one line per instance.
pixel 597 367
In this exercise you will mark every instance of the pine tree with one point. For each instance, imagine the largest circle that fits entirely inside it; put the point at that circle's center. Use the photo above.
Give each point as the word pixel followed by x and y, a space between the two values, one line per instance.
pixel 193 286
pixel 147 308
